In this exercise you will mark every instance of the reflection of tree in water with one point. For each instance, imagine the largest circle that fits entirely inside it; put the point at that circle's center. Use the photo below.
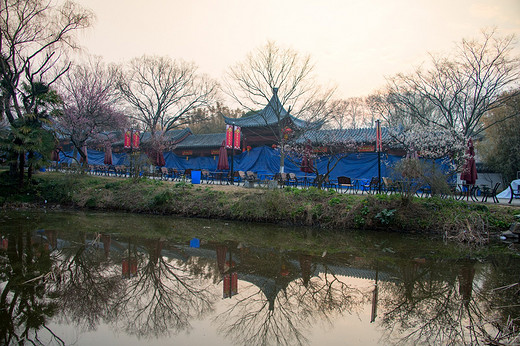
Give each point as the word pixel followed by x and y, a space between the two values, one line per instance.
pixel 23 306
pixel 501 289
pixel 161 297
pixel 284 302
pixel 87 282
pixel 436 307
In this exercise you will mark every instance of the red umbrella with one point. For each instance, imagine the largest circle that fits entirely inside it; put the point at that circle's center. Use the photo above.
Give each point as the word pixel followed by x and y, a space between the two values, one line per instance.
pixel 108 155
pixel 307 165
pixel 159 159
pixel 469 170
pixel 55 155
pixel 222 163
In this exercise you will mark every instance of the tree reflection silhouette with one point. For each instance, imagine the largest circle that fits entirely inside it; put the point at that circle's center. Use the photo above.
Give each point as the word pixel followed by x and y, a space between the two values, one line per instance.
pixel 87 282
pixel 284 302
pixel 161 298
pixel 428 306
pixel 280 298
pixel 24 308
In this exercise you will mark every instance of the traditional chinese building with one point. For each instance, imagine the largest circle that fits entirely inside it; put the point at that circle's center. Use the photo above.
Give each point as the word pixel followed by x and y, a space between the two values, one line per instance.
pixel 266 126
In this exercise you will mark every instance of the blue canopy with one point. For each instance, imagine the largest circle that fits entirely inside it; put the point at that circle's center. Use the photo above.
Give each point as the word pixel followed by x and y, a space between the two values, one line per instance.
pixel 262 160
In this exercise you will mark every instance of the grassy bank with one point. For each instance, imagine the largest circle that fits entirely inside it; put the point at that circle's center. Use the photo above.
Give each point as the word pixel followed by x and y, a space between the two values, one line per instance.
pixel 310 207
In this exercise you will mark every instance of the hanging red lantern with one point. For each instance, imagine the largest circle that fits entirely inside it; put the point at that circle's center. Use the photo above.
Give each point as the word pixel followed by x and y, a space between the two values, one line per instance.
pixel 287 132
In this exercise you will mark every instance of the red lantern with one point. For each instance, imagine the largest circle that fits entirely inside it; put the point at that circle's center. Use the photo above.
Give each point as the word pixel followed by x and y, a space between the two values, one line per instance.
pixel 287 132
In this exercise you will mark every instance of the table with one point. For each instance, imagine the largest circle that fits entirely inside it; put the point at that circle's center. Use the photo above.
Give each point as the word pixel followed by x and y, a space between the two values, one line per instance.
pixel 218 176
pixel 468 191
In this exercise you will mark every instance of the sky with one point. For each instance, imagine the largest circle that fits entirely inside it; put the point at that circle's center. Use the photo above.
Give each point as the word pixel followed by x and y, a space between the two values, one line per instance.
pixel 354 44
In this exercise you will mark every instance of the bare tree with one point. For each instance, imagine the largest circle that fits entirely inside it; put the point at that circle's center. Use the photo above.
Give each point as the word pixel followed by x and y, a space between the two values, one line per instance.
pixel 286 73
pixel 351 113
pixel 455 92
pixel 91 103
pixel 163 92
pixel 34 35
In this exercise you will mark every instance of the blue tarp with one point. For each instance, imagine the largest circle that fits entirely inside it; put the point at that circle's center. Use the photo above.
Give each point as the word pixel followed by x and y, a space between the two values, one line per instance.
pixel 262 160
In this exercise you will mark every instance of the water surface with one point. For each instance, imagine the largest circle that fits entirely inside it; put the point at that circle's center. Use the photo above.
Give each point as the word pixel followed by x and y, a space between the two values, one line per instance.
pixel 106 279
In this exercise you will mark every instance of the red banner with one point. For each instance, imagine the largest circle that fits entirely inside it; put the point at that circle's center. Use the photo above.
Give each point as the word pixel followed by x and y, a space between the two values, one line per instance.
pixel 230 136
pixel 237 138
pixel 379 139
pixel 128 139
pixel 136 139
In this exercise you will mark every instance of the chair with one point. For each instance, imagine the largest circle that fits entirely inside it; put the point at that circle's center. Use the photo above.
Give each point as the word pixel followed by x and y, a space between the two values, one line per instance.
pixel 165 175
pixel 187 174
pixel 251 177
pixel 281 178
pixel 514 193
pixel 468 191
pixel 345 182
pixel 486 192
pixel 390 186
pixel 292 180
pixel 371 186
pixel 204 175
pixel 242 177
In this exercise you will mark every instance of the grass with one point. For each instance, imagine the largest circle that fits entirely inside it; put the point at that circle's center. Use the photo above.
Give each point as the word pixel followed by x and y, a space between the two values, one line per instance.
pixel 323 209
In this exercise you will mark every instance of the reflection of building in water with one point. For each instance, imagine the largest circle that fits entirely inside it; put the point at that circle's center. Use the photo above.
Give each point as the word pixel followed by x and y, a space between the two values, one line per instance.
pixel 466 276
pixel 229 280
pixel 4 243
pixel 129 267
pixel 230 286
pixel 106 240
pixel 52 238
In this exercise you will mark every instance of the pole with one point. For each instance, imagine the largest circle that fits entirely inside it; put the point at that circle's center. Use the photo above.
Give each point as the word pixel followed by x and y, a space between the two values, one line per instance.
pixel 232 178
pixel 379 148
pixel 131 151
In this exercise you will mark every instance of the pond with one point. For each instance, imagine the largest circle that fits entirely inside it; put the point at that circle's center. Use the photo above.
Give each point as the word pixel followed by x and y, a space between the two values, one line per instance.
pixel 105 279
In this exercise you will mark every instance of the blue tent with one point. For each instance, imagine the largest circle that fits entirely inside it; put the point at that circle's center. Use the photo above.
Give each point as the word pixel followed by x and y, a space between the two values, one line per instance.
pixel 262 160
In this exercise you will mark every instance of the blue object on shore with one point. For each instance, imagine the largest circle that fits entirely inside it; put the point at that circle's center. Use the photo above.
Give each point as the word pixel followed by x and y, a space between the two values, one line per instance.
pixel 195 177
pixel 195 242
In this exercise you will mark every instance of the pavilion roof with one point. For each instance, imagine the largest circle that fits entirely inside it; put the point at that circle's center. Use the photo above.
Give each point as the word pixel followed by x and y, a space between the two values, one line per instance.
pixel 360 135
pixel 210 140
pixel 273 113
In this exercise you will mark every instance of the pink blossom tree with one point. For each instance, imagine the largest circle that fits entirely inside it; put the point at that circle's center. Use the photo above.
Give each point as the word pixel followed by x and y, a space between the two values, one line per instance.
pixel 90 104
pixel 34 38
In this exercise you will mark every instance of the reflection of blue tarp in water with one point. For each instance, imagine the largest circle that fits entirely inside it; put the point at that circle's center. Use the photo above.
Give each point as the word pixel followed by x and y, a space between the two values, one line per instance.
pixel 263 160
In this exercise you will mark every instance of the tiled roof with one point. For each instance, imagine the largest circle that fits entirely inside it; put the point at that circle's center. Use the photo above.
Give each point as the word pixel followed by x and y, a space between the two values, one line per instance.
pixel 211 140
pixel 172 135
pixel 270 115
pixel 362 135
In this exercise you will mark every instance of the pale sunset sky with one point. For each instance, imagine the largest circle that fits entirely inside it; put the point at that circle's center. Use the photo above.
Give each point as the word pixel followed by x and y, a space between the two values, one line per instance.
pixel 354 44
